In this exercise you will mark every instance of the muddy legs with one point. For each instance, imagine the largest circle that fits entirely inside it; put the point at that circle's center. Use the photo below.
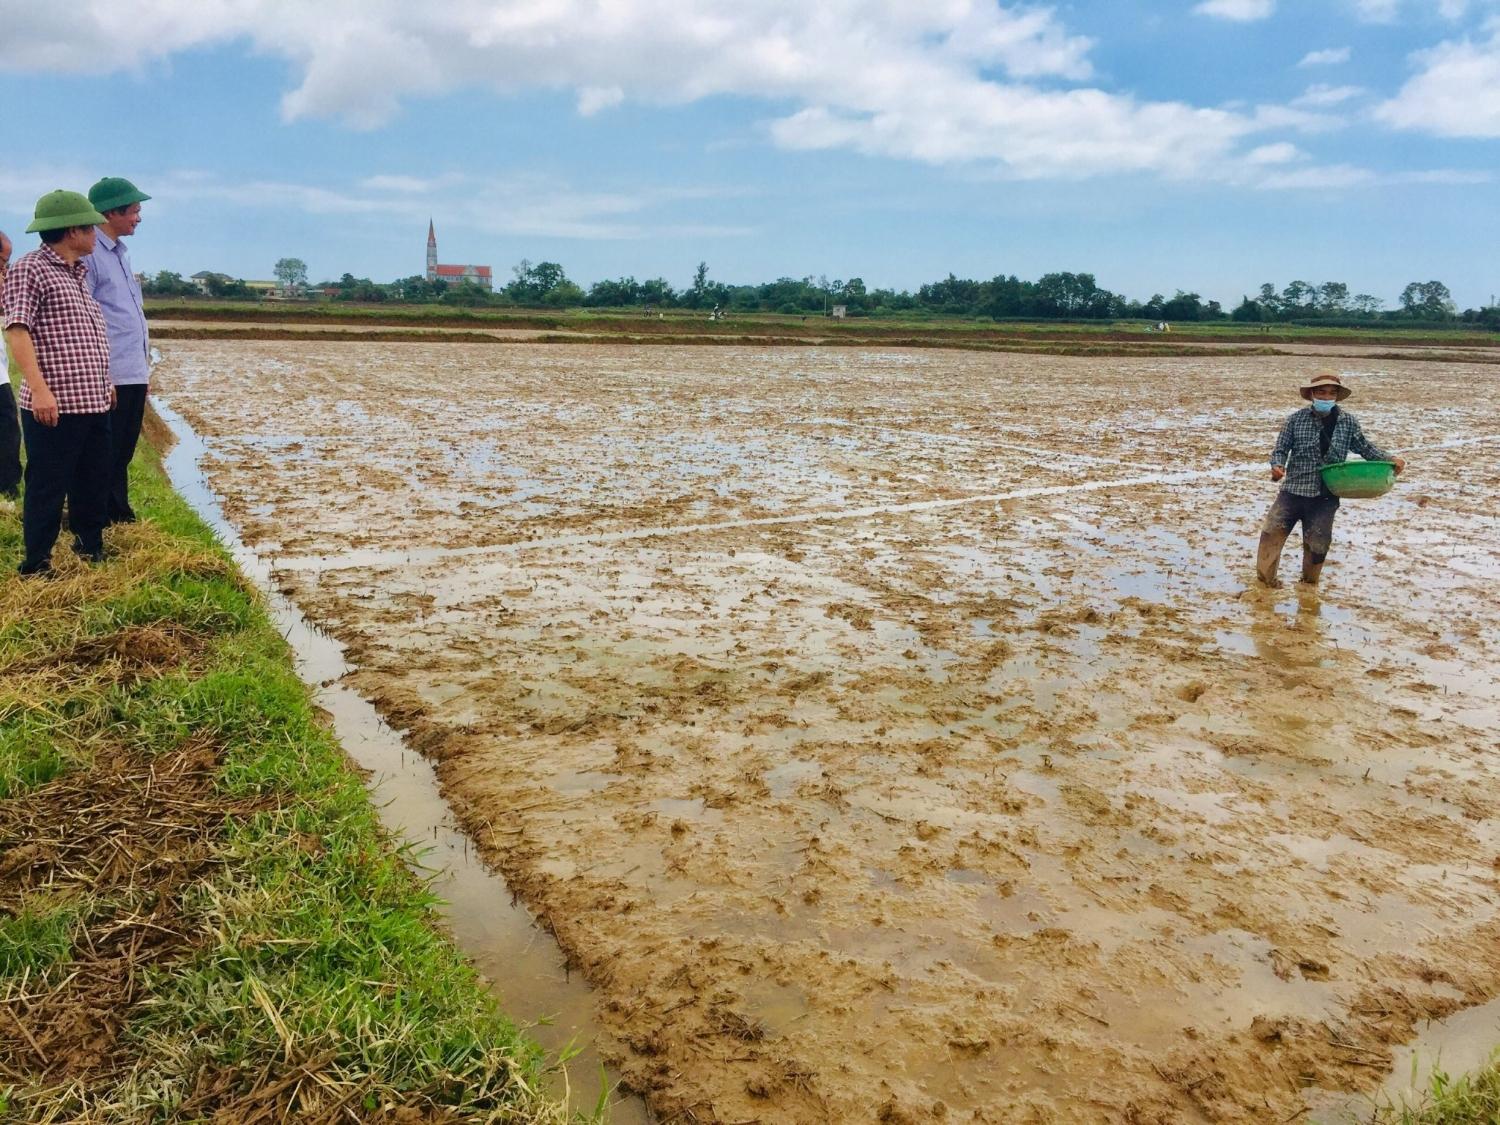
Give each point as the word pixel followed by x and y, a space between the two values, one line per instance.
pixel 1268 555
pixel 1312 565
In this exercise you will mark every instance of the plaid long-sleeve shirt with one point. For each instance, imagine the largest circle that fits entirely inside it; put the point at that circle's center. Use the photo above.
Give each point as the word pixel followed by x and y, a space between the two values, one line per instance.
pixel 1299 450
pixel 47 296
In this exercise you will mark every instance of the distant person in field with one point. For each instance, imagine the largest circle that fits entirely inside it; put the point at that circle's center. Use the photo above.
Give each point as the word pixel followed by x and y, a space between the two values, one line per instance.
pixel 1322 433
pixel 56 335
pixel 10 425
pixel 112 283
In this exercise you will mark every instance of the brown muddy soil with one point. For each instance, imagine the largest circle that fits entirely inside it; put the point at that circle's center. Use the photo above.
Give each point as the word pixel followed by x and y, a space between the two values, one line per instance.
pixel 896 734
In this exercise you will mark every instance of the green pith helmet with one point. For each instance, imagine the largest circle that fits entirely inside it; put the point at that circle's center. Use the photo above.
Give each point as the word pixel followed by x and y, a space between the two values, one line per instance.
pixel 113 192
pixel 58 210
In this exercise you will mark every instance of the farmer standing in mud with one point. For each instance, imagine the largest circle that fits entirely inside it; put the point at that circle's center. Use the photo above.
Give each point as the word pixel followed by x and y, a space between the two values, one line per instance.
pixel 56 334
pixel 112 283
pixel 10 425
pixel 1321 434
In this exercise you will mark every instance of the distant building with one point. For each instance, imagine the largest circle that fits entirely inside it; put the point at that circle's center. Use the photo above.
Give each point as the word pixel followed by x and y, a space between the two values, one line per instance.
pixel 205 280
pixel 479 275
pixel 840 312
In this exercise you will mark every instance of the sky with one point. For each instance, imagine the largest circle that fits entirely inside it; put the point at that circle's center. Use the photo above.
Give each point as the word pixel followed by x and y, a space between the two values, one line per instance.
pixel 1202 145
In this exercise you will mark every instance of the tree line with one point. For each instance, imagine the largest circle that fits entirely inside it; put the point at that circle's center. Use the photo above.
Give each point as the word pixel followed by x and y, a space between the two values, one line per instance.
pixel 1053 296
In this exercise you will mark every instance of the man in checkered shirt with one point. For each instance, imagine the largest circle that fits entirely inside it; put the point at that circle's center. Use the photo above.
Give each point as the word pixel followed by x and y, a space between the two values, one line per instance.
pixel 1322 434
pixel 56 334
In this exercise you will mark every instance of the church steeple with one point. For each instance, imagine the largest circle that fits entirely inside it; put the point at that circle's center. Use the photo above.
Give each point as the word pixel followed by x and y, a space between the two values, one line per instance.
pixel 431 252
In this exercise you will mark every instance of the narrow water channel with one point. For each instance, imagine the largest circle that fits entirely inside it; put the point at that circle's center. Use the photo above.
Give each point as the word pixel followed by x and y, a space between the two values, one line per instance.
pixel 521 961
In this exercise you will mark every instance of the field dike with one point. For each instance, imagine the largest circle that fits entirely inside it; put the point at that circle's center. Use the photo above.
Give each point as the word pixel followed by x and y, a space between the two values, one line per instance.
pixel 201 916
pixel 895 734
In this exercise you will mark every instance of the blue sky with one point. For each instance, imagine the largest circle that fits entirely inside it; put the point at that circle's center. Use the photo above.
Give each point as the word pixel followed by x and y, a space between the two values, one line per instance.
pixel 1208 145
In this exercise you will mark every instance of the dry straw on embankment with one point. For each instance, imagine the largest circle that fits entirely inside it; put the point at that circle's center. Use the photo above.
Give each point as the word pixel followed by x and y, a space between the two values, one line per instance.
pixel 200 916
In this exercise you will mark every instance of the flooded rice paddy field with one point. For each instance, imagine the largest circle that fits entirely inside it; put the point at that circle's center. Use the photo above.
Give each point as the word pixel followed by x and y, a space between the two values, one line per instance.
pixel 898 734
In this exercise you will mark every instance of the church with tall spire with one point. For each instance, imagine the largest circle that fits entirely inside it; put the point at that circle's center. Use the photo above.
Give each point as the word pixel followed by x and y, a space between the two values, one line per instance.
pixel 481 276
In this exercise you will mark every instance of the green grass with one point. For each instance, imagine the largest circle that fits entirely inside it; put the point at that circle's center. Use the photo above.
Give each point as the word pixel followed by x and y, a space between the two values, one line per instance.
pixel 1472 1099
pixel 309 954
pixel 37 939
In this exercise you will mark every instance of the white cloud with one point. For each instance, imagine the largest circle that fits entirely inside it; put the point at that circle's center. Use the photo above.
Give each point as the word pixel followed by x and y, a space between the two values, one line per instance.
pixel 1327 176
pixel 1321 96
pixel 410 185
pixel 592 99
pixel 1335 176
pixel 1294 116
pixel 997 86
pixel 1455 93
pixel 1279 153
pixel 1242 11
pixel 1329 57
pixel 1388 11
pixel 506 205
pixel 1444 176
pixel 1377 11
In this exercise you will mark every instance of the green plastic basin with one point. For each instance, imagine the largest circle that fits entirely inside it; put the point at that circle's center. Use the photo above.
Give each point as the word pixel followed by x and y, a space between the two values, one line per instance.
pixel 1359 480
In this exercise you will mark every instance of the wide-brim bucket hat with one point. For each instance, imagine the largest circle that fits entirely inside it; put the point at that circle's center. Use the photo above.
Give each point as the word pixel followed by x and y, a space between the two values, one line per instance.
pixel 114 192
pixel 58 210
pixel 1325 379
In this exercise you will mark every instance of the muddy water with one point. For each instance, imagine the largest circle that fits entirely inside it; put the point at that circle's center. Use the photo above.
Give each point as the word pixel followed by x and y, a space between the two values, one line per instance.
pixel 890 732
pixel 523 964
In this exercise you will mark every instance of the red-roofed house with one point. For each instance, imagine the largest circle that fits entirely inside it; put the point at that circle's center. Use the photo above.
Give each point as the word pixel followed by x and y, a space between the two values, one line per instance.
pixel 481 276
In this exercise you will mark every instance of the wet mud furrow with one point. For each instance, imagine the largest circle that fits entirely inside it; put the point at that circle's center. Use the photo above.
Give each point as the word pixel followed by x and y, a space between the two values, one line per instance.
pixel 1027 808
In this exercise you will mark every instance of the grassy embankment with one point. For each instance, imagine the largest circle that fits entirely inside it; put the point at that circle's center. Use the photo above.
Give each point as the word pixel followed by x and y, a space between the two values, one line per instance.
pixel 1472 1099
pixel 200 916
pixel 439 323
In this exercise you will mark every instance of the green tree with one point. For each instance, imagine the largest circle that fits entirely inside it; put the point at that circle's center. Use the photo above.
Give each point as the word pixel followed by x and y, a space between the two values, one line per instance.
pixel 564 294
pixel 1065 294
pixel 657 291
pixel 1269 302
pixel 291 273
pixel 614 294
pixel 697 295
pixel 1001 296
pixel 1429 300
pixel 220 285
pixel 1297 297
pixel 1183 306
pixel 952 294
pixel 532 283
pixel 417 288
pixel 1333 298
pixel 169 284
pixel 465 293
pixel 1248 311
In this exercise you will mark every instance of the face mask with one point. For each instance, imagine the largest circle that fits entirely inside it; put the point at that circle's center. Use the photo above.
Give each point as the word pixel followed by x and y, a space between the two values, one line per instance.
pixel 1323 405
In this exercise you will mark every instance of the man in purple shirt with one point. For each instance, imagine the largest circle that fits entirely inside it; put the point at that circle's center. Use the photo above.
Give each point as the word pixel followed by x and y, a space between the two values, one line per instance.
pixel 112 283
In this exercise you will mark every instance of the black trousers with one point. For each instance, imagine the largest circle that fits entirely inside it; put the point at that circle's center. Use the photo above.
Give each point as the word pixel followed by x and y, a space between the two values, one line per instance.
pixel 1315 513
pixel 124 432
pixel 68 461
pixel 10 443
